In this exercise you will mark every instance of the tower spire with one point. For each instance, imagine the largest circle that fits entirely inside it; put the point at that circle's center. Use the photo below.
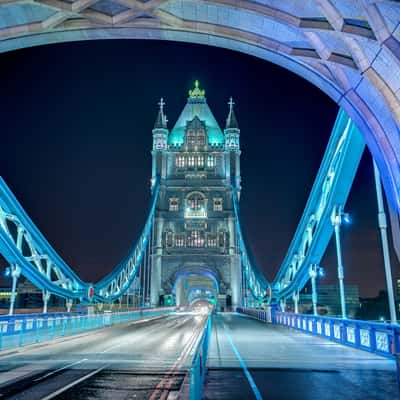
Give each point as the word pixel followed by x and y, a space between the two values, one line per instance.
pixel 161 120
pixel 231 121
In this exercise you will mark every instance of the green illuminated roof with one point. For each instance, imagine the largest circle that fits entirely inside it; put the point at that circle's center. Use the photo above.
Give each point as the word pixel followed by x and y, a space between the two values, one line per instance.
pixel 196 106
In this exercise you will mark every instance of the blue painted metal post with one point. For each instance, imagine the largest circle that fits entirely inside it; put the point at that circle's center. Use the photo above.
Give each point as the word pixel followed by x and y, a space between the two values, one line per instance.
pixel 15 273
pixel 336 219
pixel 46 298
pixel 313 274
pixel 296 297
pixel 385 247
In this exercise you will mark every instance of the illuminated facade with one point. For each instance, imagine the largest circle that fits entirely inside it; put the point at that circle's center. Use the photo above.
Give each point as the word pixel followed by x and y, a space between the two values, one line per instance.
pixel 195 253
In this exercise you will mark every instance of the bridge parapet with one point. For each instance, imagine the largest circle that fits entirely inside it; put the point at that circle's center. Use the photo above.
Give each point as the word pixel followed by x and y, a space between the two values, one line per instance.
pixel 374 337
pixel 24 329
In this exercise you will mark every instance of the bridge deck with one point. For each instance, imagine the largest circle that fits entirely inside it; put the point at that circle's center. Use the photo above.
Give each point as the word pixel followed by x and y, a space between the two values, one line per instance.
pixel 287 364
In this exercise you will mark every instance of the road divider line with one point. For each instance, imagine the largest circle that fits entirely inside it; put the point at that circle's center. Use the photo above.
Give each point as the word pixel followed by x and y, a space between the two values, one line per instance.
pixel 59 370
pixel 111 348
pixel 250 379
pixel 161 391
pixel 72 384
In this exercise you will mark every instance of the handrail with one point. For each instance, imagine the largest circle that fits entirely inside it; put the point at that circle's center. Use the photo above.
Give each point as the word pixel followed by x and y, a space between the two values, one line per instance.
pixel 199 363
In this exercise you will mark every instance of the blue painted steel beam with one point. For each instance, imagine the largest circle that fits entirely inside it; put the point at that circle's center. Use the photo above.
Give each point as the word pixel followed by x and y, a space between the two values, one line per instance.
pixel 331 188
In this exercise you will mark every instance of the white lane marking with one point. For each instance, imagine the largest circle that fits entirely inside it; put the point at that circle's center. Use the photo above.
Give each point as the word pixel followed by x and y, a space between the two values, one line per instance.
pixel 72 384
pixel 250 379
pixel 110 348
pixel 60 369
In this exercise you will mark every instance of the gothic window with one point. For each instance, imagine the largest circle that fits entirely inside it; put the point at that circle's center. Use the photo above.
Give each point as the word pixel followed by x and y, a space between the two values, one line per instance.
pixel 211 162
pixel 217 204
pixel 168 238
pixel 191 137
pixel 196 239
pixel 173 204
pixel 211 241
pixel 180 240
pixel 180 161
pixel 196 206
pixel 222 239
pixel 200 137
pixel 191 161
pixel 200 161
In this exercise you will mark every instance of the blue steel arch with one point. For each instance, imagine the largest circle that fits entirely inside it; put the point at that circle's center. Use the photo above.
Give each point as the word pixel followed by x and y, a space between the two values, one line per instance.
pixel 23 245
pixel 370 102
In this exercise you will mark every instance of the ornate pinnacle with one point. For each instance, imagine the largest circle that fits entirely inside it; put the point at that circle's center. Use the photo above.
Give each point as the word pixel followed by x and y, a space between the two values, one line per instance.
pixel 231 104
pixel 161 103
pixel 231 122
pixel 197 93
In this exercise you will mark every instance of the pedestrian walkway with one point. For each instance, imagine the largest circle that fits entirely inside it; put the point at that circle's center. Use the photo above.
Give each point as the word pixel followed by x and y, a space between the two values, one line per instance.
pixel 251 359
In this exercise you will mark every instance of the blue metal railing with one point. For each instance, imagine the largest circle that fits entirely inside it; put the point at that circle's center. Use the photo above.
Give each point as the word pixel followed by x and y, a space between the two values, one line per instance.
pixel 374 337
pixel 199 364
pixel 21 330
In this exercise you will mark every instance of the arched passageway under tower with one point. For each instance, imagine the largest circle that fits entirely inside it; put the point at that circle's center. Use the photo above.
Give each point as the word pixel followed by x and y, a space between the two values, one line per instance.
pixel 192 286
pixel 350 50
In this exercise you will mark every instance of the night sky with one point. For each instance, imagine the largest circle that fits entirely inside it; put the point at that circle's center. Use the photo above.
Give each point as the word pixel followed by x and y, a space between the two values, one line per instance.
pixel 76 140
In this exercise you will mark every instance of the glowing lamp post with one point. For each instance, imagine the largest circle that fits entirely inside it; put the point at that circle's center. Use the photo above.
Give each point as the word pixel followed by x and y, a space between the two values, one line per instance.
pixel 337 217
pixel 14 271
pixel 315 271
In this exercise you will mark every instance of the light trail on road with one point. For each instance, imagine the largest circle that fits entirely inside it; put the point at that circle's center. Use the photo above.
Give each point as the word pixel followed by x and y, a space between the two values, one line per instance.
pixel 149 358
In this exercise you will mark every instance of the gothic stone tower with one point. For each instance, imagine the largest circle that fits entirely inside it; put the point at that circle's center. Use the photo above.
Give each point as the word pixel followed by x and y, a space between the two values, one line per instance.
pixel 194 253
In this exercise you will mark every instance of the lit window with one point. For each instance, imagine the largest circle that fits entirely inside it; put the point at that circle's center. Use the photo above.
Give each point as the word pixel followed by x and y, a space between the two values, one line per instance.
pixel 200 161
pixel 173 204
pixel 196 239
pixel 211 161
pixel 191 161
pixel 218 204
pixel 211 241
pixel 180 240
pixel 196 206
pixel 180 161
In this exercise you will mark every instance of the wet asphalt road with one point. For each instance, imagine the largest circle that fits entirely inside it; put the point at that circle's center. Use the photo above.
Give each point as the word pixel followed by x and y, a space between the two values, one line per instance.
pixel 285 364
pixel 140 360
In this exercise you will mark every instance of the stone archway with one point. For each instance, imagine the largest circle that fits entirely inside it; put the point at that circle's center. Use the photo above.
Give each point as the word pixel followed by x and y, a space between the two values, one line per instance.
pixel 349 49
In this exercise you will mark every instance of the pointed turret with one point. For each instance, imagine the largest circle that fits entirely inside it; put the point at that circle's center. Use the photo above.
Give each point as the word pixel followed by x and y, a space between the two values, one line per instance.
pixel 231 121
pixel 232 146
pixel 160 131
pixel 161 120
pixel 160 139
pixel 231 131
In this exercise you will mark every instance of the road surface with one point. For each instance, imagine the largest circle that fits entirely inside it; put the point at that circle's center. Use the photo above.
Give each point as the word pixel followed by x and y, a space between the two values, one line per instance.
pixel 140 360
pixel 249 359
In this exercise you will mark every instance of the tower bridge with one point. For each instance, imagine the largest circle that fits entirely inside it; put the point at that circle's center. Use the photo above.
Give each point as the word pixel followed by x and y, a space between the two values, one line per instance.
pixel 192 250
pixel 198 168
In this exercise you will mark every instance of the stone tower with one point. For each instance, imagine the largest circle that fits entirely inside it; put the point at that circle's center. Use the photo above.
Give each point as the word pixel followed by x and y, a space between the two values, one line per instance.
pixel 194 253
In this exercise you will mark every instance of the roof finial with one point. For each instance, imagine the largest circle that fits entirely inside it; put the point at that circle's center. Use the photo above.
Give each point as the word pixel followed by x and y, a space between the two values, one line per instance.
pixel 231 122
pixel 161 103
pixel 231 104
pixel 197 93
pixel 161 120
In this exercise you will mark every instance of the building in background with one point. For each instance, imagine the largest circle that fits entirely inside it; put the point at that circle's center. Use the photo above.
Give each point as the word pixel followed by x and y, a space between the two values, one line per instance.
pixel 197 165
pixel 329 300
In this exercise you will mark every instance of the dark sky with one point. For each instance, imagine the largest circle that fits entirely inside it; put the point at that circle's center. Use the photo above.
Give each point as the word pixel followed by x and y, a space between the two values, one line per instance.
pixel 76 141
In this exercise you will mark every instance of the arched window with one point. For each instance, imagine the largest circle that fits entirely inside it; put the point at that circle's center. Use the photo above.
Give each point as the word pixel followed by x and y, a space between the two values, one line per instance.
pixel 173 204
pixel 196 205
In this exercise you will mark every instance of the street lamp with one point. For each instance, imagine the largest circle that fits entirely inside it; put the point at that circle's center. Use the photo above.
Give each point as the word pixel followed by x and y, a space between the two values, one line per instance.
pixel 14 271
pixel 337 218
pixel 385 246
